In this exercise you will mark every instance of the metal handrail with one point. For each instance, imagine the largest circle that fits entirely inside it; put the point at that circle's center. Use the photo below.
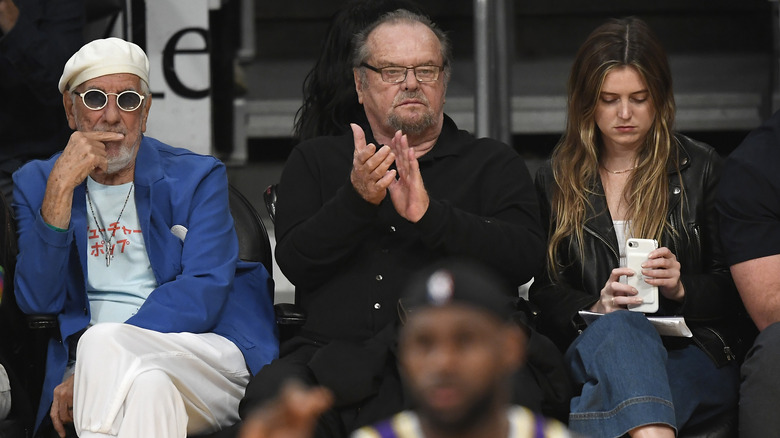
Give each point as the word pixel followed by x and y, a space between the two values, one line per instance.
pixel 493 27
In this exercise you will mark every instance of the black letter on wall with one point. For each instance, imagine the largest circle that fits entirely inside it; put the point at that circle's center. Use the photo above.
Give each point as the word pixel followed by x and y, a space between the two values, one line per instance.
pixel 168 66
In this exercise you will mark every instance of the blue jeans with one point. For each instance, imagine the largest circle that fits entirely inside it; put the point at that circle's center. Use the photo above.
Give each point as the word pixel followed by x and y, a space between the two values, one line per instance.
pixel 629 379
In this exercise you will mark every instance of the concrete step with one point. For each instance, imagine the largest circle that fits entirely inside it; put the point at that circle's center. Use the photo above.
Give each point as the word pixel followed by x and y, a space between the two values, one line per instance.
pixel 551 27
pixel 722 91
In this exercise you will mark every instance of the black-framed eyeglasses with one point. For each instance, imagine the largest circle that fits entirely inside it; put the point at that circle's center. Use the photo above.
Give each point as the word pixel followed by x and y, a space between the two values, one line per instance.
pixel 95 99
pixel 395 74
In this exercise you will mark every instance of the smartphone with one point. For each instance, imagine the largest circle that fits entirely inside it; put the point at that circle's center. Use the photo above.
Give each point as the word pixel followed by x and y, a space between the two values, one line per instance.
pixel 636 254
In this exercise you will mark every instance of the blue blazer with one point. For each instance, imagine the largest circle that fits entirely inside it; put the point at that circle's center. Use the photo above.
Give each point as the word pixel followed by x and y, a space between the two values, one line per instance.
pixel 196 289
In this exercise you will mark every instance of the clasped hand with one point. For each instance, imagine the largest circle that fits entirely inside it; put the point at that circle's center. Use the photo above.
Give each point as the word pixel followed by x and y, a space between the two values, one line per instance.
pixel 85 152
pixel 661 269
pixel 372 177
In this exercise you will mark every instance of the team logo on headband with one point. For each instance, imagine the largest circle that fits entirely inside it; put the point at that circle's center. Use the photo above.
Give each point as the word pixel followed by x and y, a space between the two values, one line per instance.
pixel 440 288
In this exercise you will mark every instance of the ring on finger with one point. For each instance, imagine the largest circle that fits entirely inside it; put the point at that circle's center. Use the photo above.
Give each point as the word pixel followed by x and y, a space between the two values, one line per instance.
pixel 613 301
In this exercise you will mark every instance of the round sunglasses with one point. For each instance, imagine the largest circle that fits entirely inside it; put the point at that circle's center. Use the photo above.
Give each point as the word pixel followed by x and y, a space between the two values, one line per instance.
pixel 95 99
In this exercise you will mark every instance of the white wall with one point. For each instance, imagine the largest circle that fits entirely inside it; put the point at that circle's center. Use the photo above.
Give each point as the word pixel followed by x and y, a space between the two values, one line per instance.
pixel 177 47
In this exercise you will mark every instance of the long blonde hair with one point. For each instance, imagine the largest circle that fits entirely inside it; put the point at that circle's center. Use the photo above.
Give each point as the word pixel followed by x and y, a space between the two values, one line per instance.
pixel 626 42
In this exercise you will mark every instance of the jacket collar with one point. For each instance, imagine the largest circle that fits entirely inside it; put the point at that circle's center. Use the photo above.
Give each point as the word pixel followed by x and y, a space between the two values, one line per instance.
pixel 78 217
pixel 675 185
pixel 599 222
pixel 683 157
pixel 446 144
pixel 148 168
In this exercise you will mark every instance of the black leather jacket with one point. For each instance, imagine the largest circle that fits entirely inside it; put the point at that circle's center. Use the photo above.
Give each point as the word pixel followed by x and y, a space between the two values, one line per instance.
pixel 711 306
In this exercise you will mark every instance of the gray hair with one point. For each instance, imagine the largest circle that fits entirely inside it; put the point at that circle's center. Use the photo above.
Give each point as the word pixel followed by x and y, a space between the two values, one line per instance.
pixel 361 51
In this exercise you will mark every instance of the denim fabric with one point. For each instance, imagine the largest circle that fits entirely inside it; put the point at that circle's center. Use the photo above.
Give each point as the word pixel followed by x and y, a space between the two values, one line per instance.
pixel 629 379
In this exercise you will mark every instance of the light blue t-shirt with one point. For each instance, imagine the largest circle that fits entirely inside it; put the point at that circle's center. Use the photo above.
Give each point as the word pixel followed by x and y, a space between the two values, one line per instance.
pixel 116 291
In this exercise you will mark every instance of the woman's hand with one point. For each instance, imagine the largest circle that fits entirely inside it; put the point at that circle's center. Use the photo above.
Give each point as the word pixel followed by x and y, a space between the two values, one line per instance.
pixel 663 270
pixel 616 295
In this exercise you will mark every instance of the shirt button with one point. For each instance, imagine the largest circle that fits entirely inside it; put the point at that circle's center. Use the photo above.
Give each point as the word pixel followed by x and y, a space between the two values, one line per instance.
pixel 377 306
pixel 379 277
pixel 684 161
pixel 392 229
pixel 676 190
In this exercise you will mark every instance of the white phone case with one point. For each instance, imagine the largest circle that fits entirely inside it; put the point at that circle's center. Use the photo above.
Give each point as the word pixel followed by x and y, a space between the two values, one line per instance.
pixel 636 254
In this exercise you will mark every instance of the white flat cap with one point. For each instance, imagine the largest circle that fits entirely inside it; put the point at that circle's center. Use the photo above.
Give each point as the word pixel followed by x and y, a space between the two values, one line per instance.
pixel 104 57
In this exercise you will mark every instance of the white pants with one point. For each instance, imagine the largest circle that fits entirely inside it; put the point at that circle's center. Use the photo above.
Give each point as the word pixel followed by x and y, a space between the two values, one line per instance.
pixel 133 382
pixel 5 394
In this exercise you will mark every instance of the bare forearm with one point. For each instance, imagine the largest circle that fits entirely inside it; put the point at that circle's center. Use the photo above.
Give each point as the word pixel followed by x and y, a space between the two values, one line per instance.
pixel 57 203
pixel 85 152
pixel 758 283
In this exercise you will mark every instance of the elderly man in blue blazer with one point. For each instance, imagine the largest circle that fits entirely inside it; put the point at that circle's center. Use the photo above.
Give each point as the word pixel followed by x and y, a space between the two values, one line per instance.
pixel 130 242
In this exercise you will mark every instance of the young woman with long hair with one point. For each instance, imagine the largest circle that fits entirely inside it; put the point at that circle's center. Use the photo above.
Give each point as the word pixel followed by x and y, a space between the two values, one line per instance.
pixel 620 171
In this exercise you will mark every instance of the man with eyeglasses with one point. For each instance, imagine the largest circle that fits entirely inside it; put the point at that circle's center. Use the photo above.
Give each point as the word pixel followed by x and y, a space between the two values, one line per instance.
pixel 130 243
pixel 357 214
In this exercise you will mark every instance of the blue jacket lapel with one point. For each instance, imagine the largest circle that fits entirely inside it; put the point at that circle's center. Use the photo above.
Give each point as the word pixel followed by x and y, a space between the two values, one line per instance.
pixel 148 171
pixel 79 219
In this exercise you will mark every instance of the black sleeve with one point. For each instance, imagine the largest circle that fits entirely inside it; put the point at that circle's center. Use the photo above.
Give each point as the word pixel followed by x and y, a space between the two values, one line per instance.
pixel 507 235
pixel 709 291
pixel 749 207
pixel 315 234
pixel 558 300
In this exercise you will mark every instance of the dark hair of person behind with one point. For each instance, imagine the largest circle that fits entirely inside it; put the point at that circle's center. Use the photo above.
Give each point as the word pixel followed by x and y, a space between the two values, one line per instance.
pixel 330 102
